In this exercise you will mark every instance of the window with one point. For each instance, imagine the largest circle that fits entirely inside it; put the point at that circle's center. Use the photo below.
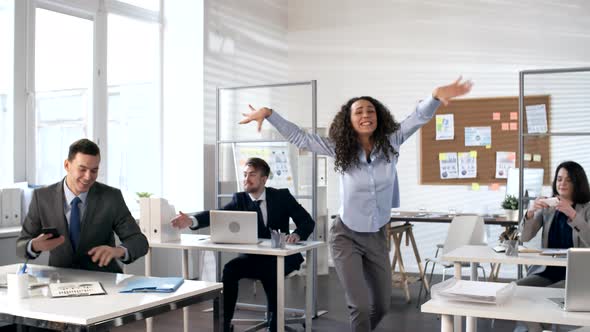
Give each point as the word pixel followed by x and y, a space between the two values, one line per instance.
pixel 63 89
pixel 133 129
pixel 111 97
pixel 6 90
pixel 146 4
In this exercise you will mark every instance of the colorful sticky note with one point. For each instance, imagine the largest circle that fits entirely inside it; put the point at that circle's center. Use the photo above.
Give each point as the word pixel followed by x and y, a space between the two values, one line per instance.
pixel 527 157
pixel 488 146
pixel 496 116
pixel 475 186
pixel 494 186
pixel 473 154
pixel 537 157
pixel 505 126
pixel 513 125
pixel 442 156
pixel 513 116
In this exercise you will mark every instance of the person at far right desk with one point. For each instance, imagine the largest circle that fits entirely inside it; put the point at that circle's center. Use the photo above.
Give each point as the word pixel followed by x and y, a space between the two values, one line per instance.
pixel 564 219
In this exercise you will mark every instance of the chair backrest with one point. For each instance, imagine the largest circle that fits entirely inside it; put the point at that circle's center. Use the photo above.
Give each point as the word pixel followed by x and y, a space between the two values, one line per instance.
pixel 464 230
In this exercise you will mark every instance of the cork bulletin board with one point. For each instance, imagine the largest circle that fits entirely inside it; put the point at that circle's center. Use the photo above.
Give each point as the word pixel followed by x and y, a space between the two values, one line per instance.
pixel 498 113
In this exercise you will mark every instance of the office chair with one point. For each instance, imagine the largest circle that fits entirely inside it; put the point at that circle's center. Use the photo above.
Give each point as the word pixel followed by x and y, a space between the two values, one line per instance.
pixel 463 230
pixel 297 315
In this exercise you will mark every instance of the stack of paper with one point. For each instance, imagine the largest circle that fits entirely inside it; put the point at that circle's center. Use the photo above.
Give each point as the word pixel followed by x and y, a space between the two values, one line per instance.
pixel 554 252
pixel 473 291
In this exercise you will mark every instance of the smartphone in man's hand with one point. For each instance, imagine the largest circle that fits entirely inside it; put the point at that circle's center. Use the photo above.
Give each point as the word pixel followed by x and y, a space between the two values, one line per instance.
pixel 50 230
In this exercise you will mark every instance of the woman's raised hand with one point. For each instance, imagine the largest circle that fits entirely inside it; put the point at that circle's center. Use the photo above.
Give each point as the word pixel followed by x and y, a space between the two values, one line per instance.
pixel 447 92
pixel 256 115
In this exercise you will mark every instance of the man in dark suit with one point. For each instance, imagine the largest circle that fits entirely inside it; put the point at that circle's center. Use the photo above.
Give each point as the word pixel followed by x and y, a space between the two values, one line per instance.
pixel 274 208
pixel 86 213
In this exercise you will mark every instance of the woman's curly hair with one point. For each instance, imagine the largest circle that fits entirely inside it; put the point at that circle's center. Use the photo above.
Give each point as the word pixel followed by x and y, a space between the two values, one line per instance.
pixel 346 140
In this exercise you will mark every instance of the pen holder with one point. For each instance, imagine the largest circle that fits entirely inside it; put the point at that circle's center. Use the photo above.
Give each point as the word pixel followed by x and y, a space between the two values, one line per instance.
pixel 277 240
pixel 18 285
pixel 511 247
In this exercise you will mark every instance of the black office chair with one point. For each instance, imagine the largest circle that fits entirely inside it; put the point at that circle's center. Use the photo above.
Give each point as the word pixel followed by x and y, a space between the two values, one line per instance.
pixel 297 315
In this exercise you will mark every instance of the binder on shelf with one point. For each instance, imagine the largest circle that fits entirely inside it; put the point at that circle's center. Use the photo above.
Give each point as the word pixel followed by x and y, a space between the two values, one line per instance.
pixel 161 212
pixel 144 217
pixel 152 285
pixel 11 207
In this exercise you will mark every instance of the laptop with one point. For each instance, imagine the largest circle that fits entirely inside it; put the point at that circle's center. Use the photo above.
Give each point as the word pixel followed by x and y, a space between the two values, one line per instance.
pixel 234 227
pixel 577 292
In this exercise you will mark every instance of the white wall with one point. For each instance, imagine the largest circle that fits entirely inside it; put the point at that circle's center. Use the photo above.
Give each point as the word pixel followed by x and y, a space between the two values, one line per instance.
pixel 245 44
pixel 398 51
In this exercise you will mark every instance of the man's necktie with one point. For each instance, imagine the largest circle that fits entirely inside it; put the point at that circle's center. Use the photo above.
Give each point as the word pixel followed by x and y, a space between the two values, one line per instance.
pixel 259 212
pixel 75 223
pixel 263 231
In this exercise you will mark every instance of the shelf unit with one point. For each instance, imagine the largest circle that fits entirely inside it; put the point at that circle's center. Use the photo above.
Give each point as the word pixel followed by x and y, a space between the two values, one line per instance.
pixel 224 189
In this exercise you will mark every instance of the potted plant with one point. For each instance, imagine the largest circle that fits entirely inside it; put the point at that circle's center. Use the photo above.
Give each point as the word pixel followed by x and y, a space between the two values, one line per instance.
pixel 510 206
pixel 142 194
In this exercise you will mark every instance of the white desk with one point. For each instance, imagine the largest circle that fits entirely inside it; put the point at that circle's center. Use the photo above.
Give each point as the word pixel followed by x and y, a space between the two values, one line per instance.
pixel 202 242
pixel 99 312
pixel 527 304
pixel 485 254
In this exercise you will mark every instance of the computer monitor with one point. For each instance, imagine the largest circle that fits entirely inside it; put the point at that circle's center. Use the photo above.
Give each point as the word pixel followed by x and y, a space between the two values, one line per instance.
pixel 533 181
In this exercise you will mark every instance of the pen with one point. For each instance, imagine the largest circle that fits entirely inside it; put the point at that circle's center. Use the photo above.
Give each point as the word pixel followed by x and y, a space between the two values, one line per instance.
pixel 23 270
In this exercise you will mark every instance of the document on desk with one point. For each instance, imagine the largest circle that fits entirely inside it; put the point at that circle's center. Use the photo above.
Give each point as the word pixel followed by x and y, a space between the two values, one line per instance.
pixel 152 285
pixel 73 289
pixel 554 252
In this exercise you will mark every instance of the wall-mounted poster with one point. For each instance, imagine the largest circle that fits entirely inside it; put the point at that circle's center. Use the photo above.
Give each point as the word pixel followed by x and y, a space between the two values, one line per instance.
pixel 478 136
pixel 445 127
pixel 467 163
pixel 276 154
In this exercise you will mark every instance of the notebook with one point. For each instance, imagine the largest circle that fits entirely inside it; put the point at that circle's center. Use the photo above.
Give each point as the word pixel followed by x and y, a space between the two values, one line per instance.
pixel 152 285
pixel 234 227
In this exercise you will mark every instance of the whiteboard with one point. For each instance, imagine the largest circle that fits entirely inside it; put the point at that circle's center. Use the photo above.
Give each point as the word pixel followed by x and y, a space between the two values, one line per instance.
pixel 276 155
pixel 533 181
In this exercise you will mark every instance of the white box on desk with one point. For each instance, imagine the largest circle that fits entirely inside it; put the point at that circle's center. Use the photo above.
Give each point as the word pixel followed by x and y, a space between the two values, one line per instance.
pixel 161 212
pixel 11 207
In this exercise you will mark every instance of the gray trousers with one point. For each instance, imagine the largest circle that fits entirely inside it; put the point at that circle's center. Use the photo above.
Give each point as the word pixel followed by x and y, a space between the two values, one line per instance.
pixel 363 267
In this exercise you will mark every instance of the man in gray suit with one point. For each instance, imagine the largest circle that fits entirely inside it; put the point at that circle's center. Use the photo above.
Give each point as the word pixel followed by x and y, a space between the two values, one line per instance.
pixel 85 213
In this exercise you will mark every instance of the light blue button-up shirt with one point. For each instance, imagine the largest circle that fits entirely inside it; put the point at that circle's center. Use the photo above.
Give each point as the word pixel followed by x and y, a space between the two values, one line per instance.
pixel 367 192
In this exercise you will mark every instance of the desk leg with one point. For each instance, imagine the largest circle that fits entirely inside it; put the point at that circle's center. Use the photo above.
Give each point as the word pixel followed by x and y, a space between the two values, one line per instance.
pixel 446 323
pixel 218 313
pixel 308 292
pixel 471 322
pixel 185 317
pixel 458 319
pixel 280 293
pixel 149 322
